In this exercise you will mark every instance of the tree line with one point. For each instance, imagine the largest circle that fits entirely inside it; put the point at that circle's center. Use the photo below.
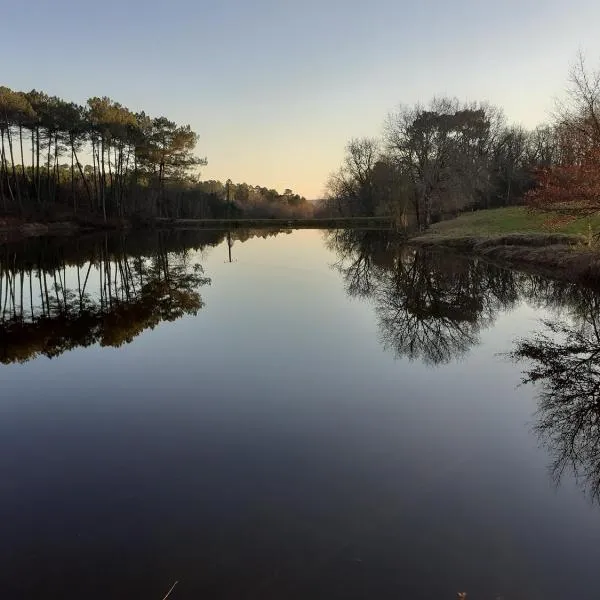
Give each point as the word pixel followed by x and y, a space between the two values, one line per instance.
pixel 105 160
pixel 436 160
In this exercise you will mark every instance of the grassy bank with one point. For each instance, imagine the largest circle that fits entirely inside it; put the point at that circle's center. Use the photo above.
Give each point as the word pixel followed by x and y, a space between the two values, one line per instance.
pixel 518 238
pixel 515 219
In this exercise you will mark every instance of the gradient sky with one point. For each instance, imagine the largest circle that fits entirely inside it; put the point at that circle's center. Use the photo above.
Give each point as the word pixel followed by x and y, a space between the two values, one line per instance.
pixel 276 88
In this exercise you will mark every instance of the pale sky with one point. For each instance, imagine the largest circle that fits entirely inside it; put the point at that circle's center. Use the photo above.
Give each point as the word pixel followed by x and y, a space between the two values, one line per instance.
pixel 276 88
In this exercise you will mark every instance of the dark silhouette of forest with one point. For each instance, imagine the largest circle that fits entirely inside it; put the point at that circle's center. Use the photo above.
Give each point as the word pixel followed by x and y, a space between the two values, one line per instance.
pixel 434 161
pixel 106 162
pixel 437 160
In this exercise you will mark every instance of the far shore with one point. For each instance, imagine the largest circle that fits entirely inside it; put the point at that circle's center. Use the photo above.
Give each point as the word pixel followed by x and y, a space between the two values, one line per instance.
pixel 12 229
pixel 512 237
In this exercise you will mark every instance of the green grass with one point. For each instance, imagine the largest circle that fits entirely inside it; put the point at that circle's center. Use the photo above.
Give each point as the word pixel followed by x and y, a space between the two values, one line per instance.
pixel 515 219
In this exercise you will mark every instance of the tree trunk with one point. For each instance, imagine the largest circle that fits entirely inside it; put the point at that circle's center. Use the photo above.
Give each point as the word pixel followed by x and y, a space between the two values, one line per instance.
pixel 427 212
pixel 95 175
pixel 23 175
pixel 49 182
pixel 2 195
pixel 56 172
pixel 4 167
pixel 83 177
pixel 33 186
pixel 38 175
pixel 73 181
pixel 103 181
pixel 13 168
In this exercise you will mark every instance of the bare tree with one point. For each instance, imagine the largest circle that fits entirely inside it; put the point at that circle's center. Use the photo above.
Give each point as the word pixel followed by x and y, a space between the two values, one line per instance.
pixel 350 190
pixel 443 150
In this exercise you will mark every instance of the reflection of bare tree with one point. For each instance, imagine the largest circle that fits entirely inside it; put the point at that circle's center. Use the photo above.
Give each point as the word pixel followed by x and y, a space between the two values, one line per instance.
pixel 564 360
pixel 433 307
pixel 361 255
pixel 430 307
pixel 110 299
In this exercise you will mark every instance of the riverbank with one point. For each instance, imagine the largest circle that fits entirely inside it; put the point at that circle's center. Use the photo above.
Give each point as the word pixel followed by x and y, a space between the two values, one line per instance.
pixel 516 238
pixel 290 223
pixel 13 229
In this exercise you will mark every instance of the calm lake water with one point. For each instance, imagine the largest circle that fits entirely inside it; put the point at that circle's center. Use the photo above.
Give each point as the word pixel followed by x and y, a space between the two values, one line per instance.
pixel 328 415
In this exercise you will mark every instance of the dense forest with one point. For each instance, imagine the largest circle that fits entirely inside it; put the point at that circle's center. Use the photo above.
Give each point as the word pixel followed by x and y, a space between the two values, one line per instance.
pixel 435 161
pixel 106 161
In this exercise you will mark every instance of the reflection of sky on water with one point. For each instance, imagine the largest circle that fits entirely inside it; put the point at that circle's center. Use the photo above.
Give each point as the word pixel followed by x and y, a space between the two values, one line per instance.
pixel 270 441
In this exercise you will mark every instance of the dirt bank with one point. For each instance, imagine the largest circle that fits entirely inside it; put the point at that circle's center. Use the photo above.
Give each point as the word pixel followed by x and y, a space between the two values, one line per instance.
pixel 559 256
pixel 13 229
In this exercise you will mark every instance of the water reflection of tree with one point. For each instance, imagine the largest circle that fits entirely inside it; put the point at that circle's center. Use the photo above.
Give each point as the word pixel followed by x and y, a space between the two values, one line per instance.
pixel 430 307
pixel 564 360
pixel 49 307
pixel 433 307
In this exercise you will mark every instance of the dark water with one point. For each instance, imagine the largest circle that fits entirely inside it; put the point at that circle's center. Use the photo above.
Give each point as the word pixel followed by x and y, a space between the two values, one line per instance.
pixel 326 416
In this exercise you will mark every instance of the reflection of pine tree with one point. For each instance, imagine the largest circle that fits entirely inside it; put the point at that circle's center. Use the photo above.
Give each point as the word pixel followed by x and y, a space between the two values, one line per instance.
pixel 129 295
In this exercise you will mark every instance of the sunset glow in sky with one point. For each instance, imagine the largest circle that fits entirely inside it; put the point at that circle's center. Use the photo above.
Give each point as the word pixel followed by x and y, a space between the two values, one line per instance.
pixel 275 88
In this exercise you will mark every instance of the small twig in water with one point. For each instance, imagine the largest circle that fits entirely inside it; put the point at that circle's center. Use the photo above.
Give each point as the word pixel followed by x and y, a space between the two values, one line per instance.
pixel 169 592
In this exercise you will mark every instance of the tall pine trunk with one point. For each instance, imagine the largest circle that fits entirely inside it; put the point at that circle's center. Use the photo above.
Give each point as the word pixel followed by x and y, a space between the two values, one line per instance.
pixel 4 167
pixel 23 175
pixel 103 177
pixel 13 167
pixel 37 159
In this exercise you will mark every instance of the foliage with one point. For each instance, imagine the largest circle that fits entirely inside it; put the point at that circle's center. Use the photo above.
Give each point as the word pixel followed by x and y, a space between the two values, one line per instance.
pixel 436 161
pixel 571 184
pixel 141 166
pixel 137 161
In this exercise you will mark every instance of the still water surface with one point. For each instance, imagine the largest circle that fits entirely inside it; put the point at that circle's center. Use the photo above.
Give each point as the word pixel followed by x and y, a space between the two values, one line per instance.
pixel 328 415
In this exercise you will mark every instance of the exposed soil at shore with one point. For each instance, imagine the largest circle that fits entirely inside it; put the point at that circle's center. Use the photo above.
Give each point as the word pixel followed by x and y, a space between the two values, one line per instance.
pixel 559 256
pixel 14 230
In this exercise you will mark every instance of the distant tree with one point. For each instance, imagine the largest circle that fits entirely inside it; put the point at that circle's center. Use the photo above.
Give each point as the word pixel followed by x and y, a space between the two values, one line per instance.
pixel 350 190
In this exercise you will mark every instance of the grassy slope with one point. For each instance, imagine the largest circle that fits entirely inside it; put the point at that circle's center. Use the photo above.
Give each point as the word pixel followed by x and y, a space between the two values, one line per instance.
pixel 515 219
pixel 520 239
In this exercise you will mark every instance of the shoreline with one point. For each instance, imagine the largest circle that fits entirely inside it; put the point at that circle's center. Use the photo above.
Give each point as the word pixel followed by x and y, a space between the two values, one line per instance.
pixel 564 256
pixel 558 256
pixel 12 229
